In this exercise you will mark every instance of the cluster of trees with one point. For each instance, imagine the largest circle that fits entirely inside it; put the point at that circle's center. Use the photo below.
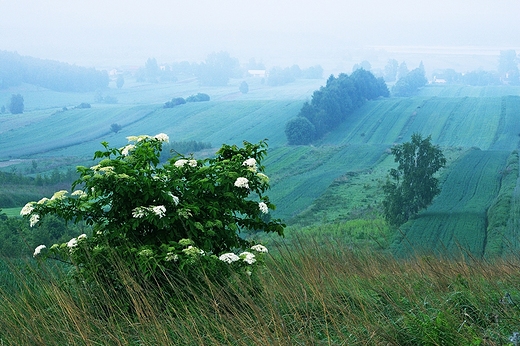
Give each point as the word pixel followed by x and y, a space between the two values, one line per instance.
pixel 409 83
pixel 199 97
pixel 281 76
pixel 16 69
pixel 331 104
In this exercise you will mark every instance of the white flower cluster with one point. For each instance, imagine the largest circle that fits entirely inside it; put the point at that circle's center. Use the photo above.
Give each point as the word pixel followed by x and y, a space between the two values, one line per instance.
pixel 259 248
pixel 163 137
pixel 251 164
pixel 126 150
pixel 174 198
pixel 27 209
pixel 78 193
pixel 38 250
pixel 59 195
pixel 140 212
pixel 242 182
pixel 263 208
pixel 192 251
pixel 182 162
pixel 229 257
pixel 34 219
pixel 247 257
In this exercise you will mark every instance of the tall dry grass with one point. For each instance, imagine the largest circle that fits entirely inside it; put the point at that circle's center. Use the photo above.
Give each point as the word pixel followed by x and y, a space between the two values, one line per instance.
pixel 310 293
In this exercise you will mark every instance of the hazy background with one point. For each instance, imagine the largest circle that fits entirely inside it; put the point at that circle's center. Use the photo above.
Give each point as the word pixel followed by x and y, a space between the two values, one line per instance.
pixel 277 32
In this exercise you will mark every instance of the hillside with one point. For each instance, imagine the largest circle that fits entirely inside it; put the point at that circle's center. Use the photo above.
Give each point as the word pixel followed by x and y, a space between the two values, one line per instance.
pixel 334 180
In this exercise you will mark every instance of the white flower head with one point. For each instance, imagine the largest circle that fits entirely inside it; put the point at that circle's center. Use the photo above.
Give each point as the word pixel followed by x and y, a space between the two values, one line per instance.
pixel 34 220
pixel 247 257
pixel 72 243
pixel 38 250
pixel 139 212
pixel 180 163
pixel 263 178
pixel 251 164
pixel 263 208
pixel 79 193
pixel 146 253
pixel 170 256
pixel 126 150
pixel 193 251
pixel 163 137
pixel 82 236
pixel 174 198
pixel 27 209
pixel 43 200
pixel 242 182
pixel 229 257
pixel 259 248
pixel 159 210
pixel 59 195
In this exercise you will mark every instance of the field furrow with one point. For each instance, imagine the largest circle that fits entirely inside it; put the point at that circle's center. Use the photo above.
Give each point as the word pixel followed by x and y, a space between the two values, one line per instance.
pixel 457 218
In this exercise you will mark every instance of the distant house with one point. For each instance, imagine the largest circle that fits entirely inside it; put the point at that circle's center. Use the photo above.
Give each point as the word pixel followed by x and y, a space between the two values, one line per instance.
pixel 439 80
pixel 257 73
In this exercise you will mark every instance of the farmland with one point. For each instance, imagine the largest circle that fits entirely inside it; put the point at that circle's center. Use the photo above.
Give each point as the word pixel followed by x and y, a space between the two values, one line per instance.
pixel 335 180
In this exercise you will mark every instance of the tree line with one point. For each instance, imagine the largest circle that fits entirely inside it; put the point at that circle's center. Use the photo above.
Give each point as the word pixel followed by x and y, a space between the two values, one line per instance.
pixel 16 69
pixel 332 103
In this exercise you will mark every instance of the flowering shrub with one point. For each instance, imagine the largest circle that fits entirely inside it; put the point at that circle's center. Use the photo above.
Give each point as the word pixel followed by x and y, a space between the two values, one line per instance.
pixel 182 215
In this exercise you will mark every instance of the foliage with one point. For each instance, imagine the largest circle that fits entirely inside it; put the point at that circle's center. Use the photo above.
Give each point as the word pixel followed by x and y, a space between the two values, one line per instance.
pixel 314 291
pixel 217 69
pixel 115 127
pixel 299 131
pixel 412 185
pixel 176 101
pixel 120 81
pixel 16 69
pixel 330 105
pixel 244 87
pixel 409 84
pixel 16 105
pixel 83 105
pixel 171 218
pixel 199 97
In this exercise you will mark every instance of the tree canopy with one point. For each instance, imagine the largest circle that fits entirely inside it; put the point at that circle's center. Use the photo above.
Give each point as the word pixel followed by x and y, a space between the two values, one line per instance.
pixel 412 186
pixel 16 105
pixel 331 104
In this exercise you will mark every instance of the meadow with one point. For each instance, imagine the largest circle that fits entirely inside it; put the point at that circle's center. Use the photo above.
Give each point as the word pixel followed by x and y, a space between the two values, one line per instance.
pixel 341 276
pixel 333 181
pixel 311 292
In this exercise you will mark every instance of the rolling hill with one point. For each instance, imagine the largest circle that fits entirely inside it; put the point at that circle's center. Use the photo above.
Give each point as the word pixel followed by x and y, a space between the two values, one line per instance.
pixel 334 180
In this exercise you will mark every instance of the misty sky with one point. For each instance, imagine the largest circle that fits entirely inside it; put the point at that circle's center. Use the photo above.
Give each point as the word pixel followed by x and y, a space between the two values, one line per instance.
pixel 114 32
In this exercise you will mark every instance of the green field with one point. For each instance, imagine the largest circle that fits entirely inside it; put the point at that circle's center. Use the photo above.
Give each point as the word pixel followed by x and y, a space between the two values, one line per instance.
pixel 335 180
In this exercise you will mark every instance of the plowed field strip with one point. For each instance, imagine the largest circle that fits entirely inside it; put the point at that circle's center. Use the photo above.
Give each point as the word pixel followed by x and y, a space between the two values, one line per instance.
pixel 457 218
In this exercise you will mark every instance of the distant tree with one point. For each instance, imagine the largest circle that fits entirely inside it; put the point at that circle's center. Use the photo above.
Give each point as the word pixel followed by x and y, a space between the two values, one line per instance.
pixel 390 72
pixel 409 84
pixel 217 69
pixel 402 71
pixel 481 78
pixel 299 131
pixel 313 72
pixel 120 81
pixel 152 70
pixel 244 87
pixel 200 97
pixel 83 105
pixel 16 105
pixel 253 65
pixel 174 102
pixel 278 76
pixel 115 128
pixel 508 66
pixel 412 186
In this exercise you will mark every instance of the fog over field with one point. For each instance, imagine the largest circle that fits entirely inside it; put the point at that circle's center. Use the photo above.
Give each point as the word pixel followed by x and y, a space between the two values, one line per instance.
pixel 332 33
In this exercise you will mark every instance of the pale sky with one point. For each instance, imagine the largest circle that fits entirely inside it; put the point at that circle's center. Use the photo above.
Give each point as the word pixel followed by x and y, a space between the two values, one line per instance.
pixel 96 32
